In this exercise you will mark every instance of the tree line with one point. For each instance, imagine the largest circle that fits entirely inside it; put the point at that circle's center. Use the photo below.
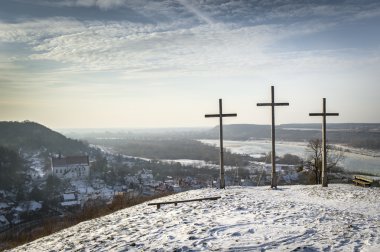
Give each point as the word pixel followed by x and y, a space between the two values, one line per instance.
pixel 12 169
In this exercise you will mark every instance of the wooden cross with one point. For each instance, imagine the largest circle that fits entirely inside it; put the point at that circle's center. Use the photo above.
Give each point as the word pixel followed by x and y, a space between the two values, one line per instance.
pixel 221 162
pixel 324 150
pixel 273 156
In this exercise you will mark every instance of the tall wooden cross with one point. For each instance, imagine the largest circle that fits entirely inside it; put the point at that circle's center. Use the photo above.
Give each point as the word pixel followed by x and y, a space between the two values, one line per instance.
pixel 273 156
pixel 221 159
pixel 324 150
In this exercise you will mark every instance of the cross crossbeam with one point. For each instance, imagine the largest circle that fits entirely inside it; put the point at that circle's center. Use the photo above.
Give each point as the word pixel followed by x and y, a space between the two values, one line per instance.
pixel 273 104
pixel 221 158
pixel 221 115
pixel 273 154
pixel 324 114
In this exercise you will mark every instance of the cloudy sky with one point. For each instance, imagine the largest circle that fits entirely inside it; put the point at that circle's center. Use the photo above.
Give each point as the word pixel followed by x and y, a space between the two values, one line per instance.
pixel 140 63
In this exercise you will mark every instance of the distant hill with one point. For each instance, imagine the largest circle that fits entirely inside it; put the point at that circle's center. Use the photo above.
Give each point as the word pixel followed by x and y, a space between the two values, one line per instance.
pixel 361 135
pixel 31 136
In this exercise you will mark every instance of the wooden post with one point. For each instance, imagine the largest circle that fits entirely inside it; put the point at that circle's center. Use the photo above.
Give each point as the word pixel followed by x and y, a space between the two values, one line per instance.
pixel 324 147
pixel 273 154
pixel 221 157
pixel 273 136
pixel 324 140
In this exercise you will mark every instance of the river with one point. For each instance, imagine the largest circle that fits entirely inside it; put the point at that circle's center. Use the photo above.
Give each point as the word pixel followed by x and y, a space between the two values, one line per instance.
pixel 354 161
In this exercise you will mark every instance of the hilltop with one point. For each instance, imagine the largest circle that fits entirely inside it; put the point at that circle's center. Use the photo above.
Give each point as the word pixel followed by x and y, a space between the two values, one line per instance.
pixel 292 218
pixel 31 136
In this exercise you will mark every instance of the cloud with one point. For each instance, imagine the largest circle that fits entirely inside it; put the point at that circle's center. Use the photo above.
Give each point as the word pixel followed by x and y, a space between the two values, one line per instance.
pixel 102 4
pixel 35 31
pixel 196 12
pixel 149 48
pixel 184 49
pixel 181 45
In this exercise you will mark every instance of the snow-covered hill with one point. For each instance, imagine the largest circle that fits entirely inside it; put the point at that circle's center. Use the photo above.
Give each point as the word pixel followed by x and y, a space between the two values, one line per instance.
pixel 292 218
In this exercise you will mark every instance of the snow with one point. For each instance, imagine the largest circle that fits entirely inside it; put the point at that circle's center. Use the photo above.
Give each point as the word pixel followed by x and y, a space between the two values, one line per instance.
pixel 291 218
pixel 36 164
pixel 85 191
pixel 70 203
pixel 28 206
pixel 68 196
pixel 190 162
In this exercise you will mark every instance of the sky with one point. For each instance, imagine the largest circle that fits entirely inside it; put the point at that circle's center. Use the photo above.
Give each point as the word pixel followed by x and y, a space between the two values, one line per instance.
pixel 140 63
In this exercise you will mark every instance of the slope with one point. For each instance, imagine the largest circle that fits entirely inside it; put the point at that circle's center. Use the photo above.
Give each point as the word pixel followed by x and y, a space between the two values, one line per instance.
pixel 293 218
pixel 31 136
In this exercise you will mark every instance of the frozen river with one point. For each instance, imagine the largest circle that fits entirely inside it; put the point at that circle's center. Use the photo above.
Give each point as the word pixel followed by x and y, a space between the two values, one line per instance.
pixel 352 162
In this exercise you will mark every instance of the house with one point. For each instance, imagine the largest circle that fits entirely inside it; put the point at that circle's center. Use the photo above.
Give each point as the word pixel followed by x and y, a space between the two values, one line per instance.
pixel 70 166
pixel 145 176
pixel 28 206
pixel 70 200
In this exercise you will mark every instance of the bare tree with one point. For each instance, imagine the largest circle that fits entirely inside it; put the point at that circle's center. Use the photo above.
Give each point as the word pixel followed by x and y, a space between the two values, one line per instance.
pixel 314 159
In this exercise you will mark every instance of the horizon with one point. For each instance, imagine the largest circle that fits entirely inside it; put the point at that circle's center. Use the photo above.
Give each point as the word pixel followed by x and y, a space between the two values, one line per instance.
pixel 217 125
pixel 184 127
pixel 164 64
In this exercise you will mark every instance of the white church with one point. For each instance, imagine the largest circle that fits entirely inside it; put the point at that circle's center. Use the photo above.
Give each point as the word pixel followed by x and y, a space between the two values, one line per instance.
pixel 70 166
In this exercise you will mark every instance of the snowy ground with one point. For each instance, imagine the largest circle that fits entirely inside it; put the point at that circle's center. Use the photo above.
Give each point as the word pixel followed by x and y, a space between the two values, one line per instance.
pixel 292 218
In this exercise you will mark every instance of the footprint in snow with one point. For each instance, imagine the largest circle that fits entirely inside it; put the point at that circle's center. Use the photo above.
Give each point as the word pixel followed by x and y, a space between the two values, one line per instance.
pixel 236 234
pixel 251 231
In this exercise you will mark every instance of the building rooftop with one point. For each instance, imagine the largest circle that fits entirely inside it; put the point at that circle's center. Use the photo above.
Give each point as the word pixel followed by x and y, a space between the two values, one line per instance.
pixel 70 160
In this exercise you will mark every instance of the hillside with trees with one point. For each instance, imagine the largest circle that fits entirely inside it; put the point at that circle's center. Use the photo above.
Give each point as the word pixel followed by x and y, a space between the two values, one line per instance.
pixel 31 136
pixel 12 169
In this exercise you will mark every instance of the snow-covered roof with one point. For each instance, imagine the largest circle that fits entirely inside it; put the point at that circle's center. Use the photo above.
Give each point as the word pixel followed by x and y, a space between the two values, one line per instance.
pixel 70 203
pixel 70 160
pixel 68 196
pixel 28 206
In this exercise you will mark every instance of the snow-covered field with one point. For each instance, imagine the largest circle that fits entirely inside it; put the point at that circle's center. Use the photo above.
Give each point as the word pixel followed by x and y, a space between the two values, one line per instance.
pixel 292 218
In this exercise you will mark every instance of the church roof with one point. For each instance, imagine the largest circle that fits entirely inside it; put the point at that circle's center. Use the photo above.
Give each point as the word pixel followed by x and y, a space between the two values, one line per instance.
pixel 70 160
